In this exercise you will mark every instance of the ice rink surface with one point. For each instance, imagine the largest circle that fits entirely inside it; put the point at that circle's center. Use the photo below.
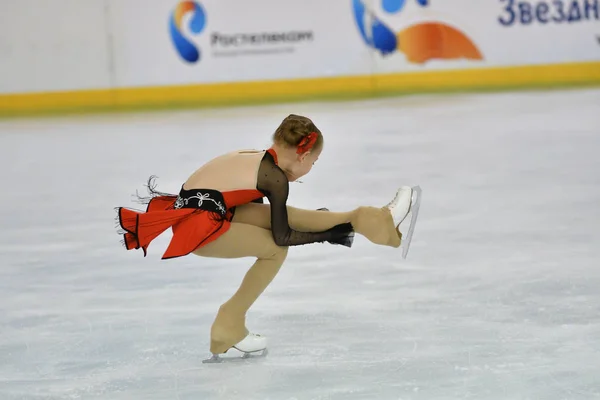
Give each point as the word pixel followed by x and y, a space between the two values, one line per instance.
pixel 499 297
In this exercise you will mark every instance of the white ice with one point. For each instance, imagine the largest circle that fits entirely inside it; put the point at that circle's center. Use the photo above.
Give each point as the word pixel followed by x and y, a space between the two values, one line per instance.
pixel 499 297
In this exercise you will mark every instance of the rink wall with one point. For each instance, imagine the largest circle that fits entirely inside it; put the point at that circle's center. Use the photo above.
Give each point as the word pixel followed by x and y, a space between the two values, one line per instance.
pixel 72 55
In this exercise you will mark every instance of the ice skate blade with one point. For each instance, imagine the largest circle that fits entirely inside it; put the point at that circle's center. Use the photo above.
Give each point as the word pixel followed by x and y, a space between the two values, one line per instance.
pixel 217 359
pixel 414 211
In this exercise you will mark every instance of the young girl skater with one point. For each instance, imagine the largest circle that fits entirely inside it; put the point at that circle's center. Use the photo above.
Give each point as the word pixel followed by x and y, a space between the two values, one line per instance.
pixel 219 213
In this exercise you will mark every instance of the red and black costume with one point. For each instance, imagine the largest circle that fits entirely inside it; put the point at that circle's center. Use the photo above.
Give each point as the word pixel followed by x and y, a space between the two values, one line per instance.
pixel 200 216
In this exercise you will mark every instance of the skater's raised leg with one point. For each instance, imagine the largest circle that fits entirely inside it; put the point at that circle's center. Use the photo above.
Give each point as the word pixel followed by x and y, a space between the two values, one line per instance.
pixel 377 224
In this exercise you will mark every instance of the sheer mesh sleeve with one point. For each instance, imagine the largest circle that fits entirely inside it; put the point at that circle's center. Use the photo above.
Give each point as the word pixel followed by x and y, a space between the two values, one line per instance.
pixel 273 182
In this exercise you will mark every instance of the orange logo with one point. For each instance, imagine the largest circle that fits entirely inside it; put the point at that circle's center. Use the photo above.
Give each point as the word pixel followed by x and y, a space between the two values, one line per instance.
pixel 420 42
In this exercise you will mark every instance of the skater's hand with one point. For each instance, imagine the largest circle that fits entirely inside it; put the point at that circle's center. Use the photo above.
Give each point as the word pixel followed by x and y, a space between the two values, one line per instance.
pixel 342 234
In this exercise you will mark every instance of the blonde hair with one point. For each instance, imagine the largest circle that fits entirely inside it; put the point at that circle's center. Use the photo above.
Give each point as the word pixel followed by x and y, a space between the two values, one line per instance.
pixel 293 129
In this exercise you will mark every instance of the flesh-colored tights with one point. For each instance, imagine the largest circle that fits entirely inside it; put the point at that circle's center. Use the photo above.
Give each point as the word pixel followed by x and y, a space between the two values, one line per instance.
pixel 250 236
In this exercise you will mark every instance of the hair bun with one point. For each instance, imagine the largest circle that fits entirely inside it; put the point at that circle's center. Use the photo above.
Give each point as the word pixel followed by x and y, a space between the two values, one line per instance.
pixel 294 128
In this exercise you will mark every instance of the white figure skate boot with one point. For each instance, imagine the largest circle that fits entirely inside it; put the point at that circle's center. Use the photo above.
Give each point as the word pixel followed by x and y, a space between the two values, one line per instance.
pixel 252 343
pixel 250 346
pixel 407 201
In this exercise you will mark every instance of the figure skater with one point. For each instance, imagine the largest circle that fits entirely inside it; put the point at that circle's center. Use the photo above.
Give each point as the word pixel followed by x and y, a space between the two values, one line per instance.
pixel 220 213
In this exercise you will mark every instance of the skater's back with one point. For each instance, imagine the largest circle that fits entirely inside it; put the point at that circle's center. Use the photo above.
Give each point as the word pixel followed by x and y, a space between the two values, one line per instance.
pixel 236 170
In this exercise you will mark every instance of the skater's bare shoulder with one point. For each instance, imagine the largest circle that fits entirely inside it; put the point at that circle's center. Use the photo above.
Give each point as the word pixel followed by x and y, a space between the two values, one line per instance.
pixel 235 170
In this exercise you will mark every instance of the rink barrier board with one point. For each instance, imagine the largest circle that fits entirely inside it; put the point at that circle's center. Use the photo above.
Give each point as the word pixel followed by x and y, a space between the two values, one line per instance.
pixel 334 88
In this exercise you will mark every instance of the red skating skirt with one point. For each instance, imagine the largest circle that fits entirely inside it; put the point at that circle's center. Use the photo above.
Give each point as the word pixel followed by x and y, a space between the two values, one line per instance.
pixel 192 227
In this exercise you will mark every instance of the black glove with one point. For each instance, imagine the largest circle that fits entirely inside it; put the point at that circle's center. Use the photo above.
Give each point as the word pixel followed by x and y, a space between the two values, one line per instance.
pixel 342 234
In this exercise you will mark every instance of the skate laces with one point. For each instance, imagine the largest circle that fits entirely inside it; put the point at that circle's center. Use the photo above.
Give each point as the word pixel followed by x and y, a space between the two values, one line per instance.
pixel 389 205
pixel 395 200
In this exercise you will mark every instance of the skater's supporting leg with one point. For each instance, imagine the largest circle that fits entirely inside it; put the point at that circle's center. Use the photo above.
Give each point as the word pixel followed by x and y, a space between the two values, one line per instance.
pixel 242 240
pixel 376 224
